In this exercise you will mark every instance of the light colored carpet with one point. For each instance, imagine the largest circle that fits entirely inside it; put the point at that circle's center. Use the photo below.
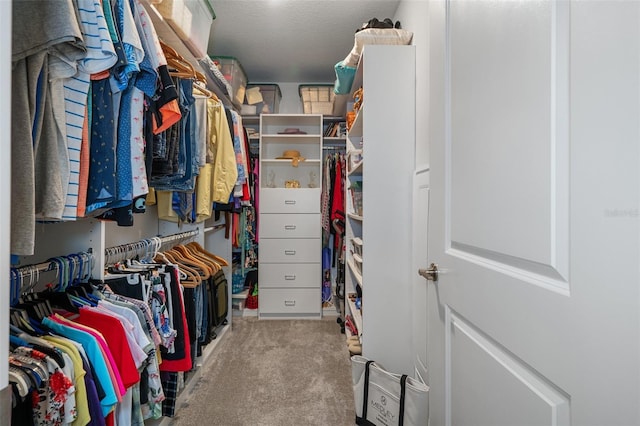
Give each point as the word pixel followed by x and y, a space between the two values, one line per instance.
pixel 274 373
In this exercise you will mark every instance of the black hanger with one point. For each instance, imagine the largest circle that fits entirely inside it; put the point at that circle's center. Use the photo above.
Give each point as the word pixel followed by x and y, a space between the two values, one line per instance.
pixel 59 299
pixel 78 291
pixel 43 304
pixel 15 315
pixel 20 319
pixel 33 310
pixel 90 286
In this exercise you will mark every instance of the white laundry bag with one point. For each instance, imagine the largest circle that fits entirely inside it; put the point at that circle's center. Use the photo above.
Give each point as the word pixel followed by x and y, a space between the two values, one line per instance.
pixel 387 399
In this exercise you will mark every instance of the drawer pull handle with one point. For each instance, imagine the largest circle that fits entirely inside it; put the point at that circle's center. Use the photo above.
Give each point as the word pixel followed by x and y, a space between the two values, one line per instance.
pixel 290 227
pixel 289 201
pixel 289 303
pixel 290 277
pixel 290 252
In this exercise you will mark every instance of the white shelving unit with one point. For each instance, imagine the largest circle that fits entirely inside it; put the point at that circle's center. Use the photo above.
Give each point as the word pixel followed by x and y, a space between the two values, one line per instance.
pixel 339 140
pixel 290 269
pixel 380 161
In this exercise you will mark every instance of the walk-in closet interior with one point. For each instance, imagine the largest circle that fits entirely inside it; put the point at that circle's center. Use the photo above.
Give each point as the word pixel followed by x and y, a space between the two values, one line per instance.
pixel 174 169
pixel 322 212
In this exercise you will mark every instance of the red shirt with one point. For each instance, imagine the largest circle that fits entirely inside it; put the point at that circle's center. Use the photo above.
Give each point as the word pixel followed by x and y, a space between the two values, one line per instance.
pixel 114 334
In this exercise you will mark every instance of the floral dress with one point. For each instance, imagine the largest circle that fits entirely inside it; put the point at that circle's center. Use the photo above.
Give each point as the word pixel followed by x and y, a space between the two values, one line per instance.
pixel 54 387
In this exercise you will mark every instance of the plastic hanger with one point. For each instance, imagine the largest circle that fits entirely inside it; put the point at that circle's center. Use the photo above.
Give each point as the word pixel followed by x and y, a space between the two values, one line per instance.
pixel 79 292
pixel 20 319
pixel 21 380
pixel 63 272
pixel 75 274
pixel 151 249
pixel 56 294
pixel 35 309
pixel 25 376
pixel 36 369
pixel 59 299
pixel 72 267
pixel 31 272
pixel 15 286
pixel 80 301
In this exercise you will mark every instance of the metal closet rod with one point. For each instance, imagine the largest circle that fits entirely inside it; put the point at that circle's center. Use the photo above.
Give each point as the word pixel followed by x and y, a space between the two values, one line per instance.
pixel 163 240
pixel 215 227
pixel 49 265
pixel 75 266
pixel 36 267
pixel 127 250
pixel 179 236
pixel 28 270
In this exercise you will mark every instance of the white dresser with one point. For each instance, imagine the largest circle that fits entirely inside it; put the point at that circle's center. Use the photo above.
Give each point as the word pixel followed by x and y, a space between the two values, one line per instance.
pixel 290 232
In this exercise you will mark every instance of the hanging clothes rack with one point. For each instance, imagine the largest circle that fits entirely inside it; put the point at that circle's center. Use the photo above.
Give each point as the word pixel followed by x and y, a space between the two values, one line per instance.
pixel 216 227
pixel 147 248
pixel 181 237
pixel 69 268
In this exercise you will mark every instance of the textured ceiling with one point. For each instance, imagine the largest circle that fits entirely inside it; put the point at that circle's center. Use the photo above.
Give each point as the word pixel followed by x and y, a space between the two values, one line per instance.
pixel 297 41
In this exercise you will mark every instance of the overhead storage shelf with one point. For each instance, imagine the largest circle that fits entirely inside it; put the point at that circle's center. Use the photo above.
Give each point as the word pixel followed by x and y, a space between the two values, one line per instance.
pixel 168 35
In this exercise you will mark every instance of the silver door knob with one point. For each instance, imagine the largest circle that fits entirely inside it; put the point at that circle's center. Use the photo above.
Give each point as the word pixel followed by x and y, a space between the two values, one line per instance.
pixel 431 273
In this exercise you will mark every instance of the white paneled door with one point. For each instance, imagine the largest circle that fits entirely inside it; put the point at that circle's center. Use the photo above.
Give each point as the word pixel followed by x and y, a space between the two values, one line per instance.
pixel 534 218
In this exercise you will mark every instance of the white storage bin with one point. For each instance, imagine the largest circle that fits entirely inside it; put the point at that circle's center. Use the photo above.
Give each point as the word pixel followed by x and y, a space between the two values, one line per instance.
pixel 271 96
pixel 316 99
pixel 247 109
pixel 234 73
pixel 191 20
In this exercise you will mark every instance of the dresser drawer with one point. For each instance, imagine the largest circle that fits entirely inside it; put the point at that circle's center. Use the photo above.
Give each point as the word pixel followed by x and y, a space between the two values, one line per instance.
pixel 289 275
pixel 289 301
pixel 286 225
pixel 281 200
pixel 292 250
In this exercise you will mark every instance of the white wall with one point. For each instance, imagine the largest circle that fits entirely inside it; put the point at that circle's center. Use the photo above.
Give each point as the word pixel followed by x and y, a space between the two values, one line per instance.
pixel 413 15
pixel 290 103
